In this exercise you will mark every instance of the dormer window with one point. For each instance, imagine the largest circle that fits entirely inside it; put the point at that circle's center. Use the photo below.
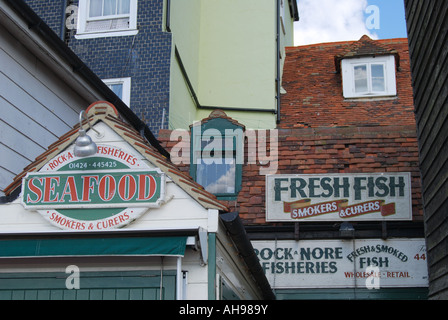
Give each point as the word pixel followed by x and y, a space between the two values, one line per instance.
pixel 216 161
pixel 369 77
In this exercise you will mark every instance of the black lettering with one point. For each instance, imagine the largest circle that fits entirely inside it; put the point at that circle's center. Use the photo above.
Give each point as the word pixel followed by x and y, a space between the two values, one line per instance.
pixel 312 187
pixel 290 267
pixel 400 185
pixel 329 253
pixel 309 266
pixel 333 268
pixel 294 188
pixel 338 253
pixel 381 185
pixel 371 187
pixel 325 184
pixel 318 253
pixel 345 186
pixel 287 254
pixel 359 187
pixel 278 188
pixel 266 254
pixel 305 254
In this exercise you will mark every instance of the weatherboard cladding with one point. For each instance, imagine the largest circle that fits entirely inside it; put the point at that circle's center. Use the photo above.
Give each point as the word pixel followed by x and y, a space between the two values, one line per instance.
pixel 427 26
pixel 105 112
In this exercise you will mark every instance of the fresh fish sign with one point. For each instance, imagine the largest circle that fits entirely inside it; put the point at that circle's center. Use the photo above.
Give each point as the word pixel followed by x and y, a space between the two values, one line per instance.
pixel 339 197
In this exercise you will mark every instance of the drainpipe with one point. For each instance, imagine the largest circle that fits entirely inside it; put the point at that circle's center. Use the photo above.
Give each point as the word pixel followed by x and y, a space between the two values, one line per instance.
pixel 277 97
pixel 179 279
pixel 62 32
pixel 168 16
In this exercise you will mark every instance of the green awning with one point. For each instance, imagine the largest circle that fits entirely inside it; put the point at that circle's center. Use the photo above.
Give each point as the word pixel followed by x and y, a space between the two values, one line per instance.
pixel 127 246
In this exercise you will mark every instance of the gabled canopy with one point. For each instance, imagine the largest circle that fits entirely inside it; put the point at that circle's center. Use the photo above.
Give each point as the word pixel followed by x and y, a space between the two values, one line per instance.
pixel 366 47
pixel 107 113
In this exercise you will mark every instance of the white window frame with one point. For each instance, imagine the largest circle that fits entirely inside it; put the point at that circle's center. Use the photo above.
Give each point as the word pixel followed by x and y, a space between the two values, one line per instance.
pixel 83 18
pixel 126 91
pixel 348 76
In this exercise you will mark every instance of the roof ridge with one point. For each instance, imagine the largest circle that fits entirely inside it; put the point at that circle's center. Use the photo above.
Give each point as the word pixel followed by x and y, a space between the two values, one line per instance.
pixel 366 47
pixel 341 43
pixel 366 43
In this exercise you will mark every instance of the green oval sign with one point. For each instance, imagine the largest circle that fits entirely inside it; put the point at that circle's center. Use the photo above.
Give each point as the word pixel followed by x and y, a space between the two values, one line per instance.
pixel 105 191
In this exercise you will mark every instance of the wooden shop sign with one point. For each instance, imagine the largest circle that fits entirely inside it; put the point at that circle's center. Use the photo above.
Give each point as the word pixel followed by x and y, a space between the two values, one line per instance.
pixel 357 263
pixel 91 189
pixel 104 191
pixel 339 197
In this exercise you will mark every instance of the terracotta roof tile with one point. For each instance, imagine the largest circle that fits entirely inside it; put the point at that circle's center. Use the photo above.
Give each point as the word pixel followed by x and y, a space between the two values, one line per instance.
pixel 366 47
pixel 314 93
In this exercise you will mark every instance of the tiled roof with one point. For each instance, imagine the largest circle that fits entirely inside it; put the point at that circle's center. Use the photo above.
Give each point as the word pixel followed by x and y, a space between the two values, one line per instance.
pixel 355 149
pixel 334 150
pixel 366 47
pixel 106 112
pixel 314 93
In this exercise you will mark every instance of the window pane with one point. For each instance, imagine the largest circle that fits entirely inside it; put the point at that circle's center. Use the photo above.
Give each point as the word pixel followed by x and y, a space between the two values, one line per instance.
pixel 378 85
pixel 123 6
pixel 377 71
pixel 117 88
pixel 361 79
pixel 110 7
pixel 217 178
pixel 378 82
pixel 95 9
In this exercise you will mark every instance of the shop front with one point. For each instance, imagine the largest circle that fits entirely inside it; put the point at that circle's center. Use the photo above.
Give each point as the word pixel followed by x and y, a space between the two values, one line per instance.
pixel 345 269
pixel 120 223
pixel 346 266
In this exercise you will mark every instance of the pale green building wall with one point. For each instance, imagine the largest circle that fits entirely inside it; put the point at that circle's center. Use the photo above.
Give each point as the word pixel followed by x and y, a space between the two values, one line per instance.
pixel 228 49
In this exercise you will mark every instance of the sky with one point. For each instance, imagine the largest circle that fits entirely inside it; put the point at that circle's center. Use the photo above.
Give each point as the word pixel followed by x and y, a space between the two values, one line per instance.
pixel 343 20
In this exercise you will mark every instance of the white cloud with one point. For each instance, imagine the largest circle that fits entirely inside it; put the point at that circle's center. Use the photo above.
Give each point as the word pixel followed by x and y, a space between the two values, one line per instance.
pixel 331 21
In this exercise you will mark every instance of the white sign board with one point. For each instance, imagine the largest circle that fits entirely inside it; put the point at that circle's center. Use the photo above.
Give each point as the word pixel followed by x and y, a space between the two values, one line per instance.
pixel 339 197
pixel 371 264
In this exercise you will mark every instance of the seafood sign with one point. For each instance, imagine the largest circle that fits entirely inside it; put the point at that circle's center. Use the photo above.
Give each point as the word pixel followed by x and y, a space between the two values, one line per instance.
pixel 106 191
pixel 333 197
pixel 91 189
